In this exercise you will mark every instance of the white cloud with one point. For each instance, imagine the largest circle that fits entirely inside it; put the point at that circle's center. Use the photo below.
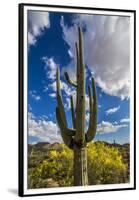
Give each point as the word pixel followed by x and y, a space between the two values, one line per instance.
pixel 34 95
pixel 67 90
pixel 107 50
pixel 125 120
pixel 64 86
pixel 108 127
pixel 31 39
pixel 112 110
pixel 52 86
pixel 43 129
pixel 69 35
pixel 50 67
pixel 37 22
pixel 53 95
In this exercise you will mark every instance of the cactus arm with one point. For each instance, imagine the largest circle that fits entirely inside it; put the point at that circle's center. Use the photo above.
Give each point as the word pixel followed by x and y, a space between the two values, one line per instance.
pixel 61 116
pixel 93 113
pixel 59 97
pixel 72 112
pixel 65 132
pixel 71 82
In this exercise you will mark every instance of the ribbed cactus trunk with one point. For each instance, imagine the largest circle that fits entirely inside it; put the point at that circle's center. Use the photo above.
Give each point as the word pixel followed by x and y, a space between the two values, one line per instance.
pixel 80 153
pixel 76 138
pixel 80 105
pixel 80 166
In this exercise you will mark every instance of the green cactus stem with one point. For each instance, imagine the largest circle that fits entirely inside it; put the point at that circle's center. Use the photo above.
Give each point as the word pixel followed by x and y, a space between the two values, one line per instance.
pixel 93 113
pixel 59 97
pixel 76 138
pixel 72 112
pixel 61 117
pixel 66 132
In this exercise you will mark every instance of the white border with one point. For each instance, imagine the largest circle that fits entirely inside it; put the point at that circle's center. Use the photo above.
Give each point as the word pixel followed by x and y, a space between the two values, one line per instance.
pixel 79 188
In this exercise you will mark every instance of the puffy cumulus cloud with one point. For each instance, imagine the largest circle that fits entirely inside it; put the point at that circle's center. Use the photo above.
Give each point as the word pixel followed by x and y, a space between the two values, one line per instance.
pixel 108 127
pixel 69 35
pixel 50 67
pixel 52 86
pixel 34 95
pixel 43 129
pixel 112 110
pixel 107 50
pixel 67 90
pixel 37 22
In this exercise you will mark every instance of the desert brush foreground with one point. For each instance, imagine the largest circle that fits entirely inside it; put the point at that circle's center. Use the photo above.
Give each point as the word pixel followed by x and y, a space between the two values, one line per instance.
pixel 51 165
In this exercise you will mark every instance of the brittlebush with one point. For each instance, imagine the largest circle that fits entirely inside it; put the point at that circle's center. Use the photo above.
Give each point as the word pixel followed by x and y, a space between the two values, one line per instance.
pixel 105 166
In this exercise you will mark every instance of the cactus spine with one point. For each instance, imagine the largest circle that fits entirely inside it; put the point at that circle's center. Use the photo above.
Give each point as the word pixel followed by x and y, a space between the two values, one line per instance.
pixel 77 138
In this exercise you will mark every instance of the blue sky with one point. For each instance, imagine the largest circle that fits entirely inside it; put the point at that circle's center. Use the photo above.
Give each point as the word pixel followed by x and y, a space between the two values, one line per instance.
pixel 51 43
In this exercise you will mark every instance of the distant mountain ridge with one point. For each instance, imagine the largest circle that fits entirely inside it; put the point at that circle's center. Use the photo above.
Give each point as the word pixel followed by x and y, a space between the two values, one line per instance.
pixel 43 145
pixel 55 145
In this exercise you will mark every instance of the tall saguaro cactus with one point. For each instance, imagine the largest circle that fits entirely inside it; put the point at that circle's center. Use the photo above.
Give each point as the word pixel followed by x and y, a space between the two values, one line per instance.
pixel 77 138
